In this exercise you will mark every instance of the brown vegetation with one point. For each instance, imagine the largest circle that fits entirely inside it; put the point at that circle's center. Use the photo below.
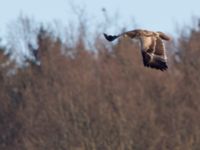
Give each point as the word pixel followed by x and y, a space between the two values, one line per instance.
pixel 102 100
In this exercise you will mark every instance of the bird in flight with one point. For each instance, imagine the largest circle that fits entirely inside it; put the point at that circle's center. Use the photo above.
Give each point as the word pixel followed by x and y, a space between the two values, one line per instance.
pixel 152 46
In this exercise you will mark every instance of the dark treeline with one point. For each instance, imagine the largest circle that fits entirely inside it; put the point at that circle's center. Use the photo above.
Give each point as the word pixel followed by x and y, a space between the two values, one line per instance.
pixel 81 99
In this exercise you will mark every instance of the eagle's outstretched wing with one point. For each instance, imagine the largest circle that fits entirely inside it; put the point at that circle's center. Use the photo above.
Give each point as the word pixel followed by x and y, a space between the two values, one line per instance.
pixel 130 34
pixel 158 58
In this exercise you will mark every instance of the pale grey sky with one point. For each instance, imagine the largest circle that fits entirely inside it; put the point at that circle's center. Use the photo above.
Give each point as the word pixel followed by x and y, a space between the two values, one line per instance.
pixel 154 14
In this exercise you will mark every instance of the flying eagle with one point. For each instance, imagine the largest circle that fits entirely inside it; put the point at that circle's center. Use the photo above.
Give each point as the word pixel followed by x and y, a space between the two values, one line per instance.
pixel 152 46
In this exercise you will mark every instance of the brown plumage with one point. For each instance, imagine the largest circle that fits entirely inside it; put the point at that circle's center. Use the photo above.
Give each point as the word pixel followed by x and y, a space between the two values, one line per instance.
pixel 152 47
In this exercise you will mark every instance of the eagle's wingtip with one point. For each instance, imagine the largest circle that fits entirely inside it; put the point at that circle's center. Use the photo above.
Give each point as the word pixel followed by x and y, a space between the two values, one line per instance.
pixel 110 38
pixel 106 36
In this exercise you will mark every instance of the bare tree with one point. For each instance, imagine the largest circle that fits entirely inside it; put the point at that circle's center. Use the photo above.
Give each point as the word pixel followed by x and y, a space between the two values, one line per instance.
pixel 21 34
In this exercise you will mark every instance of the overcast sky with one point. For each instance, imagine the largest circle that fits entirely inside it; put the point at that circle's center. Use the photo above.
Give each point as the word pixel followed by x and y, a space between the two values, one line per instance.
pixel 150 14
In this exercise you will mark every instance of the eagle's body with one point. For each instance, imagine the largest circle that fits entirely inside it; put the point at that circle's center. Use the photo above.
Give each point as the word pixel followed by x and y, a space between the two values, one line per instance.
pixel 152 47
